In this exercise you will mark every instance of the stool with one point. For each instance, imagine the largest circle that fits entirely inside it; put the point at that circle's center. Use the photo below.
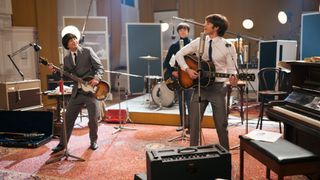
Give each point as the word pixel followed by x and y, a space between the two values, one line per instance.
pixel 282 157
pixel 241 86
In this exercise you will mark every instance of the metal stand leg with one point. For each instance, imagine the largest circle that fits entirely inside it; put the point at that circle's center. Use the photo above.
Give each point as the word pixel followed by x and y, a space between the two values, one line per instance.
pixel 66 153
pixel 121 124
pixel 183 136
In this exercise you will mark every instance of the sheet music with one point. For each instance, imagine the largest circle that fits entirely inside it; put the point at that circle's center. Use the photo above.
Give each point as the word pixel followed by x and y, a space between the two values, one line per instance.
pixel 261 135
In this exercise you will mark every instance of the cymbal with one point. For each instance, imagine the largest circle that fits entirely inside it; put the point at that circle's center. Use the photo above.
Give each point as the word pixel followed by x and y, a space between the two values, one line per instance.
pixel 122 73
pixel 148 57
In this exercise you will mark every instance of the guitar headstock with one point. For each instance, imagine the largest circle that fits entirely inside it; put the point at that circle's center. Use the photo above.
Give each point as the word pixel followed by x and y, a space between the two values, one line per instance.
pixel 247 77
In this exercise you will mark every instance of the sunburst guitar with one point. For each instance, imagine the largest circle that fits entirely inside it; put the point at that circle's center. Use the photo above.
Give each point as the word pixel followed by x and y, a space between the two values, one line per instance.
pixel 99 91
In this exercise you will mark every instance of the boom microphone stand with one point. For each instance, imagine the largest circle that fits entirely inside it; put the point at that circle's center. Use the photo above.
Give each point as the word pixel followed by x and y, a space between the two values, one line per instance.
pixel 66 153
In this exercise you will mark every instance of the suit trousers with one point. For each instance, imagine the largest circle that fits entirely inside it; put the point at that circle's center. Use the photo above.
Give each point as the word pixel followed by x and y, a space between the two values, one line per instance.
pixel 216 95
pixel 74 107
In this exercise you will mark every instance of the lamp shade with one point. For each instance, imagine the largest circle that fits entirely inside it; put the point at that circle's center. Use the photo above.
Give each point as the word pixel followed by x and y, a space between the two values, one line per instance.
pixel 71 29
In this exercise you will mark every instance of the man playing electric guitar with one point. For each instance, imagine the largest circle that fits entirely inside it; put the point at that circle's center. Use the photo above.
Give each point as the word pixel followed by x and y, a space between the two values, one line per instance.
pixel 81 62
pixel 217 50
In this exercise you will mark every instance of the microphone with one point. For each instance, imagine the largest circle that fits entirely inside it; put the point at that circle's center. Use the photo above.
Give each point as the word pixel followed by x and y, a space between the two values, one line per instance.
pixel 81 40
pixel 181 43
pixel 201 43
pixel 173 37
pixel 245 53
pixel 35 46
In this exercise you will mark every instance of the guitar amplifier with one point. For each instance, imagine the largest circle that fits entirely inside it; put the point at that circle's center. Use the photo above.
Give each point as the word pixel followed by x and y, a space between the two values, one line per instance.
pixel 20 95
pixel 201 162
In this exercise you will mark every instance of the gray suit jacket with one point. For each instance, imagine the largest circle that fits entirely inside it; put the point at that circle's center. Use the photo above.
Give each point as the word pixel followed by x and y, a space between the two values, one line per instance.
pixel 88 64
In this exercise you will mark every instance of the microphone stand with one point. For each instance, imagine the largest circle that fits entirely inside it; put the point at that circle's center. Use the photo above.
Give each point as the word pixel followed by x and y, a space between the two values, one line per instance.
pixel 201 51
pixel 66 153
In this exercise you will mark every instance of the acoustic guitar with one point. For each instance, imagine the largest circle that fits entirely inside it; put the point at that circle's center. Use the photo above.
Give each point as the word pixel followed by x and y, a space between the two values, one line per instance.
pixel 207 74
pixel 100 91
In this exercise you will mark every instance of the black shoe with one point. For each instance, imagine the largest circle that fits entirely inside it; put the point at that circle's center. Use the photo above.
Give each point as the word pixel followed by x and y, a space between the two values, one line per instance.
pixel 94 146
pixel 179 128
pixel 58 148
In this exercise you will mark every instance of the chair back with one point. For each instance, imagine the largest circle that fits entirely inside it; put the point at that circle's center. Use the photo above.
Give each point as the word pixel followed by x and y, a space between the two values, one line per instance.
pixel 271 82
pixel 270 78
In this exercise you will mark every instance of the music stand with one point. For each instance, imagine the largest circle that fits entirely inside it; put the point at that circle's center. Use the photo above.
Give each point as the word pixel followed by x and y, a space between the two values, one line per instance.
pixel 121 124
pixel 66 153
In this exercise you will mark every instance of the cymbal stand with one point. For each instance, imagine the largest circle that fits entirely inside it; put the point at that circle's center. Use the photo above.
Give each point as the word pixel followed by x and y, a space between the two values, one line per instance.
pixel 128 119
pixel 66 153
pixel 121 123
pixel 183 136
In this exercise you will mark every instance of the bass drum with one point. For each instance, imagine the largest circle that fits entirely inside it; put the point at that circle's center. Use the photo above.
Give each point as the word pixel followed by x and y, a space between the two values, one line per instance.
pixel 162 95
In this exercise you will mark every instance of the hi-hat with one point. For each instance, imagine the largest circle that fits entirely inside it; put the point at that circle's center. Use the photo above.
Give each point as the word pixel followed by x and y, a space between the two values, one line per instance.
pixel 122 73
pixel 148 57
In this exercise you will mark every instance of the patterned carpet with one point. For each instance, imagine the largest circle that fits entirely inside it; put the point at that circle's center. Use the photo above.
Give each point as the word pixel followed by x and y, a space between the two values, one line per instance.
pixel 119 156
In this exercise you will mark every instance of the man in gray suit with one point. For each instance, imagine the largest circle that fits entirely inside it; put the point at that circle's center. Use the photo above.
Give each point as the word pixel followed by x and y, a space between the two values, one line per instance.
pixel 81 62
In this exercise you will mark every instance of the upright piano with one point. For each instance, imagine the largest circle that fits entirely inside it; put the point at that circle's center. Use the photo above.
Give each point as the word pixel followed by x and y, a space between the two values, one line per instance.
pixel 300 111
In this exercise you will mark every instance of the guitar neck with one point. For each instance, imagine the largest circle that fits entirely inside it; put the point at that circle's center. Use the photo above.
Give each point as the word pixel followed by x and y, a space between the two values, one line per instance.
pixel 222 75
pixel 74 78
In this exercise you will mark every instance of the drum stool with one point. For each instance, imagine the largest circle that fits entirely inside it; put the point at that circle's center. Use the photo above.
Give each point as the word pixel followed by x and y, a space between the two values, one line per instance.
pixel 282 157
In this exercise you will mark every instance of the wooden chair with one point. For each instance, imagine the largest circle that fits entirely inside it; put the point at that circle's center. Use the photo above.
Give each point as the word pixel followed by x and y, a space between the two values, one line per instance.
pixel 271 80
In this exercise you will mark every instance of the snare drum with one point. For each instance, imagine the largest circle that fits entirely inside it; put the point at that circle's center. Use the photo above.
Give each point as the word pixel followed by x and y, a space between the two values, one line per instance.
pixel 154 80
pixel 162 95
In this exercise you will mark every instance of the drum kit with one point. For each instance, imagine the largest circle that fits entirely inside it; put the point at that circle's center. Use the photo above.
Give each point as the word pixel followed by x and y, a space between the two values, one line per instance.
pixel 160 94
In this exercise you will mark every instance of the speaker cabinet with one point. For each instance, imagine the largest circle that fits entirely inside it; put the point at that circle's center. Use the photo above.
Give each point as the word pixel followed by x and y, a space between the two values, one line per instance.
pixel 20 95
pixel 271 52
pixel 201 162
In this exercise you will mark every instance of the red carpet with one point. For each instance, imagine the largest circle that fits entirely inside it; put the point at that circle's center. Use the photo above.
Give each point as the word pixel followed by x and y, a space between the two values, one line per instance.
pixel 119 156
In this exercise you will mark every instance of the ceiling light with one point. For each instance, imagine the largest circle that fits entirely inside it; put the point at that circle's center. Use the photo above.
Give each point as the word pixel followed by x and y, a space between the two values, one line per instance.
pixel 247 24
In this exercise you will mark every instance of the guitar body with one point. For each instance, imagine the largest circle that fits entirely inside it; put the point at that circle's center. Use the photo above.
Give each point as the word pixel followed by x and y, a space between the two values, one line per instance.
pixel 171 82
pixel 100 91
pixel 206 77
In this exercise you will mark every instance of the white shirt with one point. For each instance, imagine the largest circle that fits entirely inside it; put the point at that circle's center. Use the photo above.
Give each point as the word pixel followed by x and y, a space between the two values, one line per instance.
pixel 223 57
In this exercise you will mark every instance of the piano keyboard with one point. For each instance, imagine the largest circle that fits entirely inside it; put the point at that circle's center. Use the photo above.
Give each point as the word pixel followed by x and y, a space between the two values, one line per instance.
pixel 295 115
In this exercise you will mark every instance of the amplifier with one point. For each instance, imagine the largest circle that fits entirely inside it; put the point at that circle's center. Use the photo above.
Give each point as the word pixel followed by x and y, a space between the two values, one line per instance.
pixel 199 162
pixel 20 95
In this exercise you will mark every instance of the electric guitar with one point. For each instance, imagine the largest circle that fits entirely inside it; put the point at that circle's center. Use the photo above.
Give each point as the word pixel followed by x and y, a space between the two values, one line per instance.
pixel 207 74
pixel 100 91
pixel 171 82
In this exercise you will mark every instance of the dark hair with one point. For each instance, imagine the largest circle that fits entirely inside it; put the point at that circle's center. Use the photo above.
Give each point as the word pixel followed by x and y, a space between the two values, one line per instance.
pixel 66 39
pixel 183 26
pixel 220 21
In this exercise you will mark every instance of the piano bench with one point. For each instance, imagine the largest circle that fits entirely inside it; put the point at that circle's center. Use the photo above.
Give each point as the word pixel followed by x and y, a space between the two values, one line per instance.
pixel 282 157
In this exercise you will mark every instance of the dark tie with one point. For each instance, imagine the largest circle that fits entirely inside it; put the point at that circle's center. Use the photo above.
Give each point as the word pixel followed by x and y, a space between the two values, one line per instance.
pixel 210 50
pixel 75 58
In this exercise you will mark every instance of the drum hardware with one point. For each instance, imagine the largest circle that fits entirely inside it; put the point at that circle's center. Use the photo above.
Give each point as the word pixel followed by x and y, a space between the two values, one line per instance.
pixel 121 124
pixel 148 58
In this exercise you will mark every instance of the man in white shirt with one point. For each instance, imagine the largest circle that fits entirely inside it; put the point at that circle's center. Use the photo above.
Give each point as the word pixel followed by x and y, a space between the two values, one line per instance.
pixel 223 55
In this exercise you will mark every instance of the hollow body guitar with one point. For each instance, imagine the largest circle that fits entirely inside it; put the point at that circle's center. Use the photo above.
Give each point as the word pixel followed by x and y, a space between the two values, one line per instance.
pixel 99 91
pixel 207 74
